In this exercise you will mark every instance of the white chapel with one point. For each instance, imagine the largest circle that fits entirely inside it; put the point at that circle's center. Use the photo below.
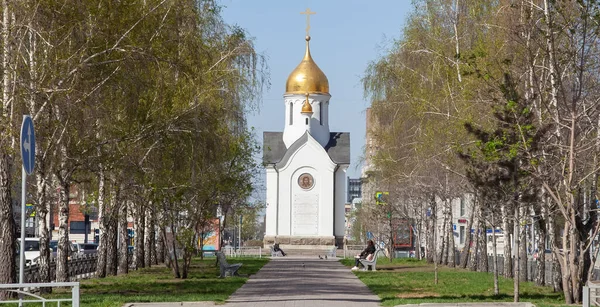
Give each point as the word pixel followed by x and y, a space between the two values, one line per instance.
pixel 306 166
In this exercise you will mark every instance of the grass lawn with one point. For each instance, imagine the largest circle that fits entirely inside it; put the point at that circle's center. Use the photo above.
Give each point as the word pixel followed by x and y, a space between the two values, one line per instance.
pixel 156 284
pixel 410 281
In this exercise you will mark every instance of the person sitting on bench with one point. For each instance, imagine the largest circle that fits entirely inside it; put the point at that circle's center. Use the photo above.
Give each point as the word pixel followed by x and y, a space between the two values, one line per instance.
pixel 277 249
pixel 370 250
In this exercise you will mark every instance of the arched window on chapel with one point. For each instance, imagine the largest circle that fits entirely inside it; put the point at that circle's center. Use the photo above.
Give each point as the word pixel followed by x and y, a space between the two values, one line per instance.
pixel 321 113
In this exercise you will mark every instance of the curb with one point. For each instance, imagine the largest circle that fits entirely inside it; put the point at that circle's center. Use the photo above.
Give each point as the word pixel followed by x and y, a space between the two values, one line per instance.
pixel 484 304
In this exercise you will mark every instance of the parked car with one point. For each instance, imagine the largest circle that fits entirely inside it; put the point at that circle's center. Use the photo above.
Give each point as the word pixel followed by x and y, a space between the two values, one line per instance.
pixel 32 249
pixel 85 248
pixel 54 249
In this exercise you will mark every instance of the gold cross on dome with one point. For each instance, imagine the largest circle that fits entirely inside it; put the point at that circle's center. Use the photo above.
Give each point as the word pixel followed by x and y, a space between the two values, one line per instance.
pixel 308 12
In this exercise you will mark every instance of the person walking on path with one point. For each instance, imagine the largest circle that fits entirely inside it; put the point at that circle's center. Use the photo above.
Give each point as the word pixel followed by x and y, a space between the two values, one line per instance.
pixel 370 250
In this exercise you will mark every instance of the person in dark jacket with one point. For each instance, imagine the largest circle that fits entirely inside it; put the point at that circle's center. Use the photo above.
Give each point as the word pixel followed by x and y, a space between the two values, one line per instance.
pixel 370 250
pixel 276 248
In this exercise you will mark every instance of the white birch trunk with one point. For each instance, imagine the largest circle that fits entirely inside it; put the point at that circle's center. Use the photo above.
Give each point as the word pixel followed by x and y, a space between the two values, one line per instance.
pixel 451 251
pixel 456 40
pixel 483 260
pixel 517 237
pixel 140 226
pixel 123 251
pixel 508 234
pixel 7 223
pixel 102 224
pixel 466 253
pixel 540 279
pixel 112 229
pixel 474 259
pixel 42 209
pixel 64 245
pixel 443 259
pixel 149 237
pixel 495 253
pixel 523 244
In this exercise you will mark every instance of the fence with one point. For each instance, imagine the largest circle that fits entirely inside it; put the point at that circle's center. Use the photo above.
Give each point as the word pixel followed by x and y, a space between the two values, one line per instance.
pixel 32 298
pixel 351 250
pixel 591 295
pixel 82 266
pixel 250 251
pixel 531 269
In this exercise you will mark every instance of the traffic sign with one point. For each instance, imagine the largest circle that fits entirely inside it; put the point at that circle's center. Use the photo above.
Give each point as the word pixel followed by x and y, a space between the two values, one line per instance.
pixel 381 198
pixel 30 209
pixel 28 157
pixel 28 144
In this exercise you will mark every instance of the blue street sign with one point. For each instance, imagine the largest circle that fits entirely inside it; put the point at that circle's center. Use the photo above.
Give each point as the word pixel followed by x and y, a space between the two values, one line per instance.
pixel 381 198
pixel 28 144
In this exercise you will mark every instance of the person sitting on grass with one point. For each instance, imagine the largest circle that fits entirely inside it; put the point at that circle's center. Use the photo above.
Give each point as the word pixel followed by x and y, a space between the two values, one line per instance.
pixel 370 250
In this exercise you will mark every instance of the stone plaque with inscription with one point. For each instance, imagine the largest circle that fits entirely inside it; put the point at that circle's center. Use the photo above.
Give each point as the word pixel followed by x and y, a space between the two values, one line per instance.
pixel 306 214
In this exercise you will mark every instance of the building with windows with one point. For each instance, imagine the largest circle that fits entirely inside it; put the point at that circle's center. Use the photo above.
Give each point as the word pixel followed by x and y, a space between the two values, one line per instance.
pixel 354 188
pixel 83 218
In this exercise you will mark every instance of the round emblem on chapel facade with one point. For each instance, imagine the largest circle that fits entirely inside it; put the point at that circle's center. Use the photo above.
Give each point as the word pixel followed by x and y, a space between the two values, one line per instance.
pixel 306 181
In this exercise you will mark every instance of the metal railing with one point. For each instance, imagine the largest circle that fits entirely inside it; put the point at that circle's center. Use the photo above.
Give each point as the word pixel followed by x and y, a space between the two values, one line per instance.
pixel 80 267
pixel 591 294
pixel 243 252
pixel 351 250
pixel 33 298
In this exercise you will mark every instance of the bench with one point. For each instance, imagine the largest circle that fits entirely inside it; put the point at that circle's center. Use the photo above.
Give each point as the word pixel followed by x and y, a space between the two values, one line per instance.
pixel 332 252
pixel 226 268
pixel 275 253
pixel 373 263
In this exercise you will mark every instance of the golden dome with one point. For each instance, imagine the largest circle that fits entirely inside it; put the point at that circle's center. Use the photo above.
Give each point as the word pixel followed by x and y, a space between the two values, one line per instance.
pixel 307 77
pixel 306 107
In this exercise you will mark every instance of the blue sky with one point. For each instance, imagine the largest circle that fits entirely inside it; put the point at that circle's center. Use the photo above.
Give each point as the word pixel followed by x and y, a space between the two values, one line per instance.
pixel 346 36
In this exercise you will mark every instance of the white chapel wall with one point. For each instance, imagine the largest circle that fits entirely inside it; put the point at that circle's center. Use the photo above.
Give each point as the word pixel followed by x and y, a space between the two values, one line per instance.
pixel 309 158
pixel 305 203
pixel 340 201
pixel 271 198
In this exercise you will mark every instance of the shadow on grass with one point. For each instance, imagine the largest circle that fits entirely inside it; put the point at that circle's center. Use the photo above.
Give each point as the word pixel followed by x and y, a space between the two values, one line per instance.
pixel 413 283
pixel 156 284
pixel 479 298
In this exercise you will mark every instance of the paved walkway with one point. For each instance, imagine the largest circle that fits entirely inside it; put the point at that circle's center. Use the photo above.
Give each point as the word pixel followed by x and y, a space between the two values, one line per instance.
pixel 297 282
pixel 307 282
pixel 303 282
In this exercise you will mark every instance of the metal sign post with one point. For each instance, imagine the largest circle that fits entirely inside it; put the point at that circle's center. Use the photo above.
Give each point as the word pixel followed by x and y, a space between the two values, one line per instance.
pixel 240 235
pixel 28 157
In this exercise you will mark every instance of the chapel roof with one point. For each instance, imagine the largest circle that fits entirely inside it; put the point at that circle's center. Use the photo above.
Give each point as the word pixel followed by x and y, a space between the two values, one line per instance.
pixel 338 147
